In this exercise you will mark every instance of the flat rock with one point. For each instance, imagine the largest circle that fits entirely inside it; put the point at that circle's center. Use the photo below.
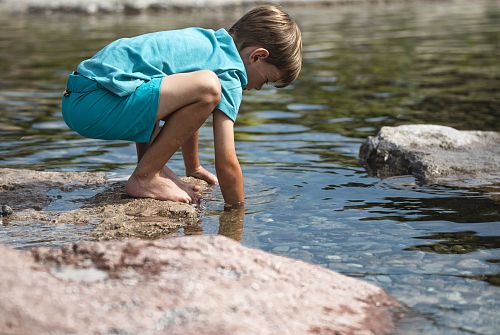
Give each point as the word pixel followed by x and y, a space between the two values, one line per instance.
pixel 88 198
pixel 187 285
pixel 434 154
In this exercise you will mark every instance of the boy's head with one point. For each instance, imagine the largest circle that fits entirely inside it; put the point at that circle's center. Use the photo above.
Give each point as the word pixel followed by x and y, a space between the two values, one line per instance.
pixel 270 44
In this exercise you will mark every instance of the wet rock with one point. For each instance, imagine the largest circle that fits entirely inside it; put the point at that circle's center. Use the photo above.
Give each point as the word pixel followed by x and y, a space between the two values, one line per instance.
pixel 87 198
pixel 28 189
pixel 187 285
pixel 434 154
pixel 6 210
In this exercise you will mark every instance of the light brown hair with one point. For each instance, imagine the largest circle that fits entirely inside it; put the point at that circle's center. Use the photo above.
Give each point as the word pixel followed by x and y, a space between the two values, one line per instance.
pixel 271 28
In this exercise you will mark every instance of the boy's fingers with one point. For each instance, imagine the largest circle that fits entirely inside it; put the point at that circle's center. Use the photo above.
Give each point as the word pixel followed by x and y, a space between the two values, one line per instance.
pixel 215 181
pixel 212 180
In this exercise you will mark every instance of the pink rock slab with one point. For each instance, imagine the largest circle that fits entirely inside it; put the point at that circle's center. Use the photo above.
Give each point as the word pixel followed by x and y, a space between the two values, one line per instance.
pixel 186 285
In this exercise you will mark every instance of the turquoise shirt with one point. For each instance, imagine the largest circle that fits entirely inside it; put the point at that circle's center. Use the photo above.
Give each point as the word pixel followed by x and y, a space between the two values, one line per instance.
pixel 125 64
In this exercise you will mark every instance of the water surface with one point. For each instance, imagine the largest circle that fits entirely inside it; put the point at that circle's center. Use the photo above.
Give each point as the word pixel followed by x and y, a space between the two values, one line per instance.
pixel 434 248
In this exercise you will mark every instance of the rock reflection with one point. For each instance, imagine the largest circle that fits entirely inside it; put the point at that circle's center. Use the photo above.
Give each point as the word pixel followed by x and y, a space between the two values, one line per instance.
pixel 457 242
pixel 493 279
pixel 453 209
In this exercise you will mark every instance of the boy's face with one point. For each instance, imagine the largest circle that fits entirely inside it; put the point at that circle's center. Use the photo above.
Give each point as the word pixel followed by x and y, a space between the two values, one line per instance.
pixel 259 72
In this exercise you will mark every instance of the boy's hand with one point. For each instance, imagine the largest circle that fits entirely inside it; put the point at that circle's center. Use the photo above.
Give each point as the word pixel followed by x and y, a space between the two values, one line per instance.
pixel 201 173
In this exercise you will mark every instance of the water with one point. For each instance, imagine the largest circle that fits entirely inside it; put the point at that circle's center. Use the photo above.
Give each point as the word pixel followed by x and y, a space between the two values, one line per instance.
pixel 437 249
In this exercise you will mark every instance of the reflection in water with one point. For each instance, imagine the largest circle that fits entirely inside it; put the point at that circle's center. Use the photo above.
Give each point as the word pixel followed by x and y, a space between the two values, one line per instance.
pixel 493 279
pixel 457 243
pixel 193 230
pixel 230 224
pixel 307 196
pixel 452 209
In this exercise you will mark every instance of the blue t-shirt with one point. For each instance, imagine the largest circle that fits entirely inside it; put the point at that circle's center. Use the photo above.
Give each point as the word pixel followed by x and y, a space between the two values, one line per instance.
pixel 125 64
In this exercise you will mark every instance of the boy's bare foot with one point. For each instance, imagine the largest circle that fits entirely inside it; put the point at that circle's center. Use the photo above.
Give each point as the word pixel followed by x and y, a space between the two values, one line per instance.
pixel 156 187
pixel 190 189
pixel 203 174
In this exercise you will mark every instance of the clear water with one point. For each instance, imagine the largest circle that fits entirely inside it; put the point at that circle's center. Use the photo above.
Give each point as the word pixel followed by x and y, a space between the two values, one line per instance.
pixel 437 249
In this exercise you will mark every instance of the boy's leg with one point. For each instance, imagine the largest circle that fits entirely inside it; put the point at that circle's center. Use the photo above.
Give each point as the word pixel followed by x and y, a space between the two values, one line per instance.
pixel 141 149
pixel 186 99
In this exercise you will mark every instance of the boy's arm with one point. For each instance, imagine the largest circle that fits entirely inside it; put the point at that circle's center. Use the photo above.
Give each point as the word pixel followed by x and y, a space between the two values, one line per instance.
pixel 192 161
pixel 190 154
pixel 226 162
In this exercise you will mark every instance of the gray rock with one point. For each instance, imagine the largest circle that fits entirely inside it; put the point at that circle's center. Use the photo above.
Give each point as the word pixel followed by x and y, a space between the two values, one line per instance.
pixel 6 210
pixel 434 154
pixel 187 285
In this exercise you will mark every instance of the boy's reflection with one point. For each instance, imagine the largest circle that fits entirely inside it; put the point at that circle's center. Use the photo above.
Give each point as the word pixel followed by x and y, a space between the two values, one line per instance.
pixel 230 224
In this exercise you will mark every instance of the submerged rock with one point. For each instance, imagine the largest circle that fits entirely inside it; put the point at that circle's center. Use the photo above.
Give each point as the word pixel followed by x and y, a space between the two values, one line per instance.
pixel 88 198
pixel 6 210
pixel 434 154
pixel 188 285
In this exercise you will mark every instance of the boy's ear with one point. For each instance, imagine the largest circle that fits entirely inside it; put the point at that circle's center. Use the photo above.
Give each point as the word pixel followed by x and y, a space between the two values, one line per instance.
pixel 259 53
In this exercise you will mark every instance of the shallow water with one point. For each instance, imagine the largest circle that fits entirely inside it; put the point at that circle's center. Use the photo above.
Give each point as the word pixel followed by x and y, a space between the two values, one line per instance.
pixel 437 249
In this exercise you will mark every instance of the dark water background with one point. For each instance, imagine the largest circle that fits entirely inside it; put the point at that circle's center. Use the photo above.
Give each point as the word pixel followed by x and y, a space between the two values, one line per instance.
pixel 434 248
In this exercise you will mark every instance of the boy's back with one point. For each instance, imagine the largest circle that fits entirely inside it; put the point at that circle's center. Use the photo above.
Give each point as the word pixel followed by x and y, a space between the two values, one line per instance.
pixel 125 64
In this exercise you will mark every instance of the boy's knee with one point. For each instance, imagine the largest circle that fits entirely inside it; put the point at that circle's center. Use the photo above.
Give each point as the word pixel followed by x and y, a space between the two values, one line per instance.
pixel 210 87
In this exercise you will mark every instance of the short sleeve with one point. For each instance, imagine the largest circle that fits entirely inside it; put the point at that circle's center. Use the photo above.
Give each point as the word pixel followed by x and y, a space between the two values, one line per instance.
pixel 232 93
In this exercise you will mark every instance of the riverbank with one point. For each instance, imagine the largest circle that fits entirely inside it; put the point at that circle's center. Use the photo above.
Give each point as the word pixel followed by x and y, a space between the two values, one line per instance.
pixel 182 285
pixel 138 6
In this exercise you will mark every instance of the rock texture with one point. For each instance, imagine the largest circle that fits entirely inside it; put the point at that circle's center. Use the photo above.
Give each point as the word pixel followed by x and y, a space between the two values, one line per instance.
pixel 434 154
pixel 188 285
pixel 87 198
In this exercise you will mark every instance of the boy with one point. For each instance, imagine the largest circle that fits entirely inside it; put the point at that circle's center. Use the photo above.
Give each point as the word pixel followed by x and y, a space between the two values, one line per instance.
pixel 181 77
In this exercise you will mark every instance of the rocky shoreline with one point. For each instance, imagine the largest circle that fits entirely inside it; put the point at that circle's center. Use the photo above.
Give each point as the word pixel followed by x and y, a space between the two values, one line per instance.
pixel 180 285
pixel 201 284
pixel 88 198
